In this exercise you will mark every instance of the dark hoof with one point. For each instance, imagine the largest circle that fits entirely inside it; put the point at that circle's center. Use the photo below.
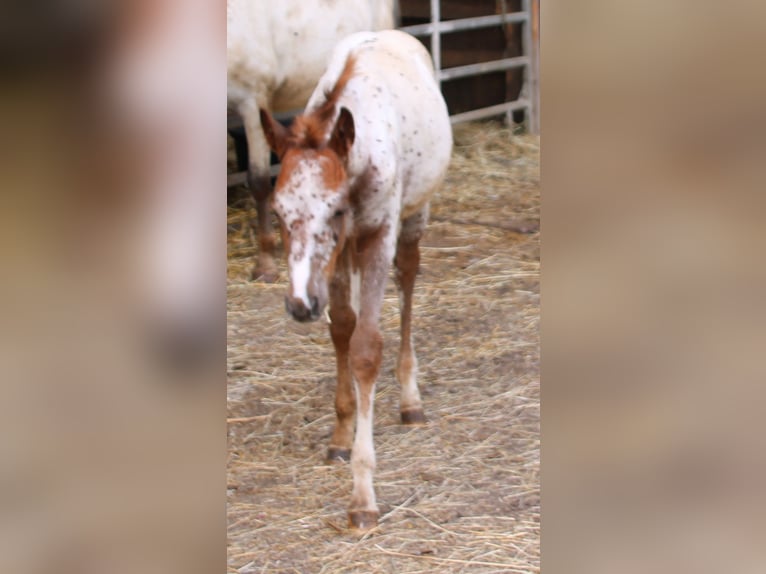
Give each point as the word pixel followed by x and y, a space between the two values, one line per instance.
pixel 337 454
pixel 413 417
pixel 267 276
pixel 362 519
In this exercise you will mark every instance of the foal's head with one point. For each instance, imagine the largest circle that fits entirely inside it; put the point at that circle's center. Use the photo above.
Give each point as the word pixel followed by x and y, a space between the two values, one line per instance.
pixel 312 201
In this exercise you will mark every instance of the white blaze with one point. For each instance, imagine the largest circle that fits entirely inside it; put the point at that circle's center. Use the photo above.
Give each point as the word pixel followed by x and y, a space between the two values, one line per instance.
pixel 300 272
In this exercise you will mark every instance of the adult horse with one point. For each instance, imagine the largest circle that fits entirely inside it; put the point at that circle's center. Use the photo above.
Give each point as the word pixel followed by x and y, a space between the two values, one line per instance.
pixel 358 171
pixel 276 53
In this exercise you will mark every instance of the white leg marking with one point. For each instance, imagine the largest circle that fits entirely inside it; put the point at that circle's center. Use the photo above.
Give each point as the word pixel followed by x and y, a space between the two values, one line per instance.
pixel 409 382
pixel 355 289
pixel 363 456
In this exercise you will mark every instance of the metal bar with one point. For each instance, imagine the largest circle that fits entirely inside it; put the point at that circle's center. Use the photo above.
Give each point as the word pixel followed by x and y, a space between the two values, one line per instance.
pixel 483 67
pixel 495 110
pixel 436 39
pixel 534 68
pixel 526 46
pixel 465 23
pixel 507 30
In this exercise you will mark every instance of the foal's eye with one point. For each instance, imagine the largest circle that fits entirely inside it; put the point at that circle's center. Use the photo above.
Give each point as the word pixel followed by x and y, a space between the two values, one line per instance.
pixel 339 213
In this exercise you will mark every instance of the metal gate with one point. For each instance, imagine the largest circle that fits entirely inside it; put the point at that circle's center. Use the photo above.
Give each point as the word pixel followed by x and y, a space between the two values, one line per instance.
pixel 529 17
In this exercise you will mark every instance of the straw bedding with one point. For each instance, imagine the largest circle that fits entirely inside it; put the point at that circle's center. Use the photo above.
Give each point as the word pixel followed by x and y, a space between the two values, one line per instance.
pixel 459 495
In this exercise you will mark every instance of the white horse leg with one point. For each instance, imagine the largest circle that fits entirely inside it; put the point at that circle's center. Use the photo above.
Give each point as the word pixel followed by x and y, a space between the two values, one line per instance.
pixel 259 181
pixel 365 353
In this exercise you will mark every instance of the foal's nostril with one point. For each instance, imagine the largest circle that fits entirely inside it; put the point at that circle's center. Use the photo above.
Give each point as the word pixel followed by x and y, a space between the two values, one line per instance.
pixel 315 306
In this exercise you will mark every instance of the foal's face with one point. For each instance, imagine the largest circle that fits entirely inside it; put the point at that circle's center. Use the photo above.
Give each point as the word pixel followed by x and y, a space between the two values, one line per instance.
pixel 311 200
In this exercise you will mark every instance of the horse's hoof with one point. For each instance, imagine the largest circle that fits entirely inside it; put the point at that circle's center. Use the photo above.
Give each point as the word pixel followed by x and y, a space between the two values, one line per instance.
pixel 337 454
pixel 267 276
pixel 362 520
pixel 413 417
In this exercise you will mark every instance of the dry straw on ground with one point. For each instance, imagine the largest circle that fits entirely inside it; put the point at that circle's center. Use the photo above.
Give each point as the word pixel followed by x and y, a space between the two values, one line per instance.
pixel 461 494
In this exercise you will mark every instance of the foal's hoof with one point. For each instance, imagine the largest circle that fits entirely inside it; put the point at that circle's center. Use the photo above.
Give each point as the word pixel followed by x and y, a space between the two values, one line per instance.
pixel 362 520
pixel 337 454
pixel 413 417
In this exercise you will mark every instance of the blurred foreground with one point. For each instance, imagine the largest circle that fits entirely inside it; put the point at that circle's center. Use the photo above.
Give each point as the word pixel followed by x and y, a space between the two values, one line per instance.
pixel 653 315
pixel 112 297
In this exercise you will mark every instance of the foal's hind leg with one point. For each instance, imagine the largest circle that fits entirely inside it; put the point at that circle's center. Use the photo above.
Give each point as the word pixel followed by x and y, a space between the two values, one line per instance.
pixel 407 262
pixel 343 320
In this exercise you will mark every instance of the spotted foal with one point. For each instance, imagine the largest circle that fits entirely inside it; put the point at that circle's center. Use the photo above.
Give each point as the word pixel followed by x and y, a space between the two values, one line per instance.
pixel 358 170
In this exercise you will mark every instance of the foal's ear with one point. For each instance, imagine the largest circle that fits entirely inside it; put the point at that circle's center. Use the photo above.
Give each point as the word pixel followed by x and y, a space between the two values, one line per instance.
pixel 342 134
pixel 276 133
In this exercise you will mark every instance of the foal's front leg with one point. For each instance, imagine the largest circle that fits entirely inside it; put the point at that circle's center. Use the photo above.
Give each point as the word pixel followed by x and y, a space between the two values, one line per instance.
pixel 342 322
pixel 365 353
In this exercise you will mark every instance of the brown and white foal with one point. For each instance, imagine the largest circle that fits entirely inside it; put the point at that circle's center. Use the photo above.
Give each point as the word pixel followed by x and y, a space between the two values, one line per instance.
pixel 358 170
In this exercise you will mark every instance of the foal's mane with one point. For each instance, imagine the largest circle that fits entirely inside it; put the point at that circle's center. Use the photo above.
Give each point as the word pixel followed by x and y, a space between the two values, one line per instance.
pixel 309 131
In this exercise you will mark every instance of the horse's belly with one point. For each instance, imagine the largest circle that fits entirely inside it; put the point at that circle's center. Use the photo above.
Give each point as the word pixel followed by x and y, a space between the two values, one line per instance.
pixel 250 73
pixel 414 197
pixel 278 50
pixel 425 155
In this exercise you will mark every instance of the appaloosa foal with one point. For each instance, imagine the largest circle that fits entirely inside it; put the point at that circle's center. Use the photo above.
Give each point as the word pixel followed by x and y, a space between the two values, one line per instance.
pixel 358 170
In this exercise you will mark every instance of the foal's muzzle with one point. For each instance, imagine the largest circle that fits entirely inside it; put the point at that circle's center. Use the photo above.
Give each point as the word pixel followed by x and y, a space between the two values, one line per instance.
pixel 299 311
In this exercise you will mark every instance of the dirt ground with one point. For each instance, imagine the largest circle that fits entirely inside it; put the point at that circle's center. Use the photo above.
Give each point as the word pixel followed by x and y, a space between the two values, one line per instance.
pixel 459 495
